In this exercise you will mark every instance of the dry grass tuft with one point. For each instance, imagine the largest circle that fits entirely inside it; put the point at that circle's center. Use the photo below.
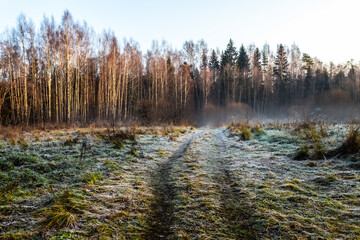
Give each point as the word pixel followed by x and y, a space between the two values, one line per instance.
pixel 241 129
pixel 63 213
pixel 117 137
pixel 351 144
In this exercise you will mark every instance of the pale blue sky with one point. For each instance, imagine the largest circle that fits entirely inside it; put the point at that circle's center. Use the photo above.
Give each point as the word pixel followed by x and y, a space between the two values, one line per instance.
pixel 327 29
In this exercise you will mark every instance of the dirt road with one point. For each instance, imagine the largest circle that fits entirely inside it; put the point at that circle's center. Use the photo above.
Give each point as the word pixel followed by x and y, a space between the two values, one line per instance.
pixel 196 192
pixel 216 186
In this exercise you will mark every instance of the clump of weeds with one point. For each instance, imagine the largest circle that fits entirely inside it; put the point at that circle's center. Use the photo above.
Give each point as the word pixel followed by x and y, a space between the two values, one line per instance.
pixel 23 143
pixel 257 130
pixel 63 213
pixel 92 177
pixel 245 133
pixel 133 151
pixel 303 152
pixel 71 141
pixel 241 129
pixel 314 148
pixel 118 137
pixel 352 143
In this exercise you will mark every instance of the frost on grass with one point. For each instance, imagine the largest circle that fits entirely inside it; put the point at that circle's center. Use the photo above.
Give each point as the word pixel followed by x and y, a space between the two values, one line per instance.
pixel 240 182
pixel 81 183
pixel 292 199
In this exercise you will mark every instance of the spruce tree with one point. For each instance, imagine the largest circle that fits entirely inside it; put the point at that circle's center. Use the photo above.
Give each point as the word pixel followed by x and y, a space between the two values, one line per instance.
pixel 214 62
pixel 308 78
pixel 229 56
pixel 281 65
pixel 281 75
pixel 257 59
pixel 243 59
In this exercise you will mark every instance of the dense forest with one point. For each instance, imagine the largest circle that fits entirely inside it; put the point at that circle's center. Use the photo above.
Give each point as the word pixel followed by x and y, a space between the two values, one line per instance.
pixel 66 73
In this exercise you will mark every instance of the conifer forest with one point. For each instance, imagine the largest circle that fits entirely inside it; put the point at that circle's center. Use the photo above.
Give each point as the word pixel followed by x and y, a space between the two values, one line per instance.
pixel 102 139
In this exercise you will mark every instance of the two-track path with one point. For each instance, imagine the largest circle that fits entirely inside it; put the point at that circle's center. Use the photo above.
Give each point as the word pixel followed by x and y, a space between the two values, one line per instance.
pixel 197 195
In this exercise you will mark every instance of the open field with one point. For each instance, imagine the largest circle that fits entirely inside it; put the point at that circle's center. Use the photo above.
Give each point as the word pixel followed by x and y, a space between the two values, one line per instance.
pixel 273 181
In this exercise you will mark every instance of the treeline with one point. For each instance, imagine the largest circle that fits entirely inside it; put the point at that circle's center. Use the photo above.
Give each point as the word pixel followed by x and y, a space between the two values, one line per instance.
pixel 67 73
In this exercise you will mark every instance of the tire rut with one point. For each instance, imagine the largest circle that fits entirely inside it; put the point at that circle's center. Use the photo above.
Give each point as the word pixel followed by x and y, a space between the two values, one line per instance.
pixel 238 211
pixel 162 209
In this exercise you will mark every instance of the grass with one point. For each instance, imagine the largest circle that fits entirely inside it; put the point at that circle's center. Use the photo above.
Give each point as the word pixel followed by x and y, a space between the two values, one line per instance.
pixel 313 135
pixel 223 188
pixel 243 130
pixel 63 213
pixel 134 152
pixel 71 141
pixel 327 180
pixel 302 153
pixel 23 143
pixel 20 159
pixel 245 134
pixel 116 137
pixel 352 143
pixel 92 177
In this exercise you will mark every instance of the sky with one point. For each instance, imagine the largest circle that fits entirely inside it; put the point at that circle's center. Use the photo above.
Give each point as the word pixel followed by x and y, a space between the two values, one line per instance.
pixel 326 29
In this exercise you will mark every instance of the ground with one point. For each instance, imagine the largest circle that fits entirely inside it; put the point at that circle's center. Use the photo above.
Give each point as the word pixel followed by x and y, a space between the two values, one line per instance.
pixel 236 182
